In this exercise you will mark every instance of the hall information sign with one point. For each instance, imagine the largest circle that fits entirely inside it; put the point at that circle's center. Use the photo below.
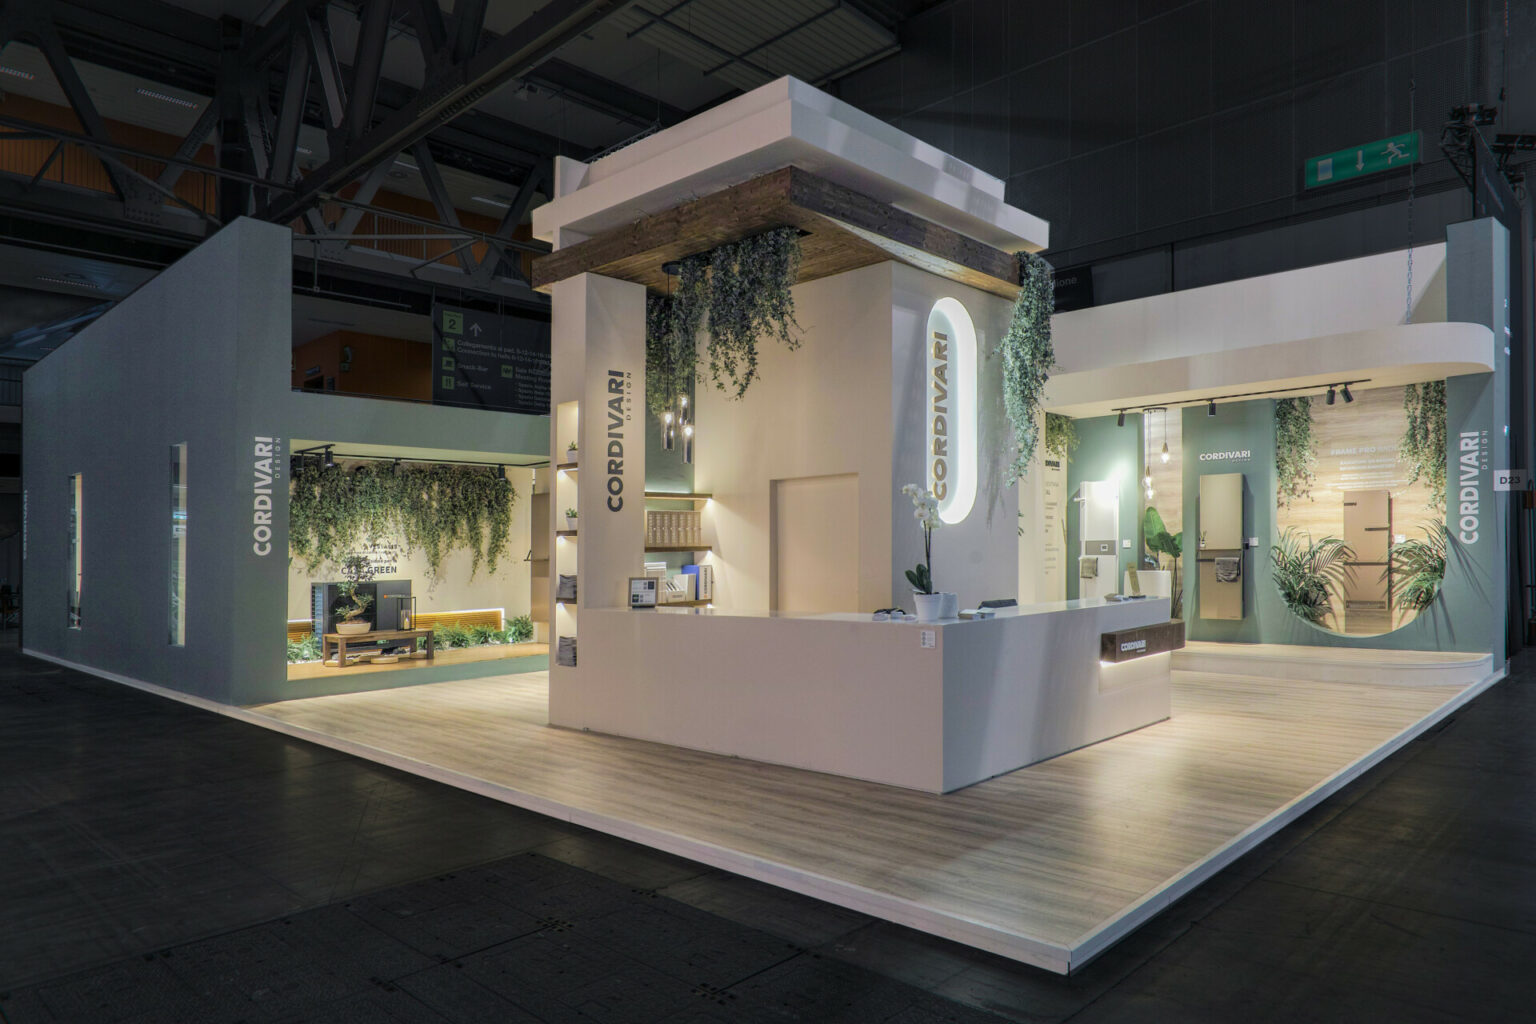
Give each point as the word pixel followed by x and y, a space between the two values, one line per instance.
pixel 1358 161
pixel 486 361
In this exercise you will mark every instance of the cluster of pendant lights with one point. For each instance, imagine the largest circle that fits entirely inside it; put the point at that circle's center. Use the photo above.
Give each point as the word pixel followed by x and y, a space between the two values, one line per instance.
pixel 678 420
pixel 1164 455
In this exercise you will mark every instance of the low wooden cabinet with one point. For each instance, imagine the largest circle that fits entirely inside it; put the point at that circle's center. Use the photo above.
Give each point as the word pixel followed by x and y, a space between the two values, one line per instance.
pixel 386 637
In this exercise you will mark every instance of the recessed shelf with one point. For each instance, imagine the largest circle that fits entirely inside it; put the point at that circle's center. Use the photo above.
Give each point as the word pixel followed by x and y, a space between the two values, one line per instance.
pixel 684 604
pixel 572 466
pixel 678 547
pixel 565 533
pixel 665 496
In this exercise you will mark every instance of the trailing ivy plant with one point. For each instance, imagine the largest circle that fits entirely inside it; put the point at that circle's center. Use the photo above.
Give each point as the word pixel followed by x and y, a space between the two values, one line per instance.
pixel 1060 436
pixel 1423 443
pixel 1027 359
pixel 433 509
pixel 672 324
pixel 749 298
pixel 1295 457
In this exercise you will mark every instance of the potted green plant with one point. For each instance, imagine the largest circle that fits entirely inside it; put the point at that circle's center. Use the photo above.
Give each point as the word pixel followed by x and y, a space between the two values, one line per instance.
pixel 353 602
pixel 1308 572
pixel 570 519
pixel 570 454
pixel 931 605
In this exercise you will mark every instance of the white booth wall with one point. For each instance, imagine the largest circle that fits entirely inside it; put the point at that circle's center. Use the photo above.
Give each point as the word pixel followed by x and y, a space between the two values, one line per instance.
pixel 842 423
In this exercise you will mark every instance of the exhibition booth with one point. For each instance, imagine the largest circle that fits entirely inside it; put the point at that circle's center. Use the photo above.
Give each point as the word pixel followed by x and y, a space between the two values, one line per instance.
pixel 775 514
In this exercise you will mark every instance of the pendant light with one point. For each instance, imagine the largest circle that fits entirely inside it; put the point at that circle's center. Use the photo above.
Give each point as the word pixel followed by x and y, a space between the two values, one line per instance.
pixel 688 443
pixel 1164 454
pixel 668 431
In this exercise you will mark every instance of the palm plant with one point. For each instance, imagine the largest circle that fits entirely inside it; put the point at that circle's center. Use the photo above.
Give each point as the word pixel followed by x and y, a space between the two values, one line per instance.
pixel 1307 571
pixel 1418 569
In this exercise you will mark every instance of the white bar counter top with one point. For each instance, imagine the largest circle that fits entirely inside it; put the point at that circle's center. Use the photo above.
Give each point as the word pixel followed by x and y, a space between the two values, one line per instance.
pixel 929 706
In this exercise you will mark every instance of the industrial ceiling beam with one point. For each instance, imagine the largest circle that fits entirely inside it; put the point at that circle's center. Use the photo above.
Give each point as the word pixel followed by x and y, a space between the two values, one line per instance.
pixel 454 90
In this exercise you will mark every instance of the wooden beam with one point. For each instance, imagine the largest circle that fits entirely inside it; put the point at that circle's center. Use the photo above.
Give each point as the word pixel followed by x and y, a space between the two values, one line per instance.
pixel 844 229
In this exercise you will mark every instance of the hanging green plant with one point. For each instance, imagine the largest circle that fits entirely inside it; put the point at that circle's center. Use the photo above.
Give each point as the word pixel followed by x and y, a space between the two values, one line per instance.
pixel 1027 358
pixel 750 297
pixel 1423 443
pixel 1295 457
pixel 433 509
pixel 672 324
pixel 1060 436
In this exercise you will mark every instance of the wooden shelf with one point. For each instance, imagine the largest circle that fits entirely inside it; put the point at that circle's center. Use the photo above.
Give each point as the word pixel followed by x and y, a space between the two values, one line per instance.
pixel 565 465
pixel 678 547
pixel 565 533
pixel 684 604
pixel 665 496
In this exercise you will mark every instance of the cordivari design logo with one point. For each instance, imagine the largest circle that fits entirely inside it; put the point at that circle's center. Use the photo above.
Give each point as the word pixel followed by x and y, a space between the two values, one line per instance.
pixel 1469 463
pixel 265 469
pixel 1236 454
pixel 952 447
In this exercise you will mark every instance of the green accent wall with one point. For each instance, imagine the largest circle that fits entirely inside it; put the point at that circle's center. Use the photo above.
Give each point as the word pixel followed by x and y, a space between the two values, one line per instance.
pixel 1106 452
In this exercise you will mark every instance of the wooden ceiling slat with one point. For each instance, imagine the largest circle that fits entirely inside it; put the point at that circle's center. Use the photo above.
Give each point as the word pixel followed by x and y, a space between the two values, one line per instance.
pixel 845 230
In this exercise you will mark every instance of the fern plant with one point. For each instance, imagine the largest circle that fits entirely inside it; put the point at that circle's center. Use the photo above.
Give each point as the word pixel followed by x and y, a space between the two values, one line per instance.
pixel 1418 569
pixel 519 630
pixel 1307 572
pixel 1027 360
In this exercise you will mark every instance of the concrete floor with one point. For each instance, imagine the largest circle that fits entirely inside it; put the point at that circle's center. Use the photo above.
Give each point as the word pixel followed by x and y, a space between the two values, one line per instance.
pixel 159 863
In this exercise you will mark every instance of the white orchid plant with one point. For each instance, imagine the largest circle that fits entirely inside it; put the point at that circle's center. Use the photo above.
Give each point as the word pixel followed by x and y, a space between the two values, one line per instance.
pixel 925 509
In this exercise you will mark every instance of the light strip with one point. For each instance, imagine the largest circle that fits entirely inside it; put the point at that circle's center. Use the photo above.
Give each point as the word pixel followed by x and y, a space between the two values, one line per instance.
pixel 488 201
pixel 17 73
pixel 165 98
pixel 49 279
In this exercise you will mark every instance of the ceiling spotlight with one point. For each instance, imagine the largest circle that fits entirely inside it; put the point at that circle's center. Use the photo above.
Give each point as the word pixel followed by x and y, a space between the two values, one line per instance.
pixel 501 472
pixel 330 463
pixel 1210 410
pixel 1347 396
pixel 1164 455
pixel 1120 419
pixel 1330 397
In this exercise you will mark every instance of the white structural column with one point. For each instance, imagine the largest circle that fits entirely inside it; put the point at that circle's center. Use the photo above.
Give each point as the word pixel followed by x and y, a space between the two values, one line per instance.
pixel 597 389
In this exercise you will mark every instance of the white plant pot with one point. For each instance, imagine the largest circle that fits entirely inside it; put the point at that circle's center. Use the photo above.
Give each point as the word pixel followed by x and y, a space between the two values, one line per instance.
pixel 570 456
pixel 354 627
pixel 951 605
pixel 570 522
pixel 930 607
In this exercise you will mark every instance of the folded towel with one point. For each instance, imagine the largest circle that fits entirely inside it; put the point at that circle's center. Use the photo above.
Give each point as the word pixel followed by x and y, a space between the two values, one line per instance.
pixel 1229 569
pixel 1087 568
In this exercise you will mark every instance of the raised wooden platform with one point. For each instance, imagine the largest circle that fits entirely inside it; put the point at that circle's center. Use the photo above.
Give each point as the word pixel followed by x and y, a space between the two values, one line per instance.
pixel 1049 865
pixel 1333 664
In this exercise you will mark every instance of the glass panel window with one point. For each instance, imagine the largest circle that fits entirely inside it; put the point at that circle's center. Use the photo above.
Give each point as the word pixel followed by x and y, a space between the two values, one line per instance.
pixel 75 563
pixel 178 608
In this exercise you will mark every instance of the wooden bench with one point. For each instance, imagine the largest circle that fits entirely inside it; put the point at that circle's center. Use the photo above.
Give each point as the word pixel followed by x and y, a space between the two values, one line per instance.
pixel 298 629
pixel 384 638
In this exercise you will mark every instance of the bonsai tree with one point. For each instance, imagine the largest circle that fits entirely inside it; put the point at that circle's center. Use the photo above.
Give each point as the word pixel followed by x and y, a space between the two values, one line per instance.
pixel 354 603
pixel 1169 546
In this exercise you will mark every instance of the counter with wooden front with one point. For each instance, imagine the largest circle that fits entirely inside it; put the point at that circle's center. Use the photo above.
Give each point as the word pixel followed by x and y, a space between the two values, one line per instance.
pixel 926 706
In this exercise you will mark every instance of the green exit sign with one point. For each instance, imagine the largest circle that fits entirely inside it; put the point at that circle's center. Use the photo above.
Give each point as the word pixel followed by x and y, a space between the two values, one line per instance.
pixel 1358 161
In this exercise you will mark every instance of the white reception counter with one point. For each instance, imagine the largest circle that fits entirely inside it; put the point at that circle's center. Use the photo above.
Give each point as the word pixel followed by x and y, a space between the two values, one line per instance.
pixel 925 706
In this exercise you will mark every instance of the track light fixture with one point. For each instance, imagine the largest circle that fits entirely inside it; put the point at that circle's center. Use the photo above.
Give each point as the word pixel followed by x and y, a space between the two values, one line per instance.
pixel 1347 396
pixel 1330 394
pixel 1210 409
pixel 330 463
pixel 1120 419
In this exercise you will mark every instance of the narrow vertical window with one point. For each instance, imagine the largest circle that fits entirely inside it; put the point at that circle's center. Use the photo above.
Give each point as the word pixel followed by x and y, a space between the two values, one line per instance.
pixel 75 564
pixel 178 608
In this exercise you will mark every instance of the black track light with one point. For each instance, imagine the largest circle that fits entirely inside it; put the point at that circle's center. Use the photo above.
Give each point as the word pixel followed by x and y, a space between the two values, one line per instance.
pixel 1120 419
pixel 330 463
pixel 501 472
pixel 1210 409
pixel 1330 394
pixel 1347 396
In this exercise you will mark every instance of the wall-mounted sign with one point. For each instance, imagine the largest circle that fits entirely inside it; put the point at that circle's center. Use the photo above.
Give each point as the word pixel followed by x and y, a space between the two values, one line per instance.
pixel 1130 644
pixel 266 471
pixel 1471 461
pixel 1510 480
pixel 952 445
pixel 1236 455
pixel 486 361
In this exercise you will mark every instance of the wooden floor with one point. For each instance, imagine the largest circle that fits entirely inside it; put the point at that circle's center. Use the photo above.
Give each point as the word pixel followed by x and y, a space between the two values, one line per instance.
pixel 1049 865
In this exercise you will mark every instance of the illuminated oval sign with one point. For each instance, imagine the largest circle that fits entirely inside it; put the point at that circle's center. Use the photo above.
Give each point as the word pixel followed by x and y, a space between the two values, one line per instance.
pixel 952 450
